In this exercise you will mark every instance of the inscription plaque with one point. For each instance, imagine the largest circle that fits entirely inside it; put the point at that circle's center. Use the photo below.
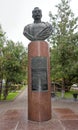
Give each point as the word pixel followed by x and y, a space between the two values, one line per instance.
pixel 39 73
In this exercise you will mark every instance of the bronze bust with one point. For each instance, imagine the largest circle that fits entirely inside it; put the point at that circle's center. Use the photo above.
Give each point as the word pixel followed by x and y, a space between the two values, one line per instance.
pixel 38 30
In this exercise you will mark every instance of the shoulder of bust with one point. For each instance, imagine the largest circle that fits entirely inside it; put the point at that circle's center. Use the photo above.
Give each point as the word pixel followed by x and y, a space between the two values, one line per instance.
pixel 46 23
pixel 28 26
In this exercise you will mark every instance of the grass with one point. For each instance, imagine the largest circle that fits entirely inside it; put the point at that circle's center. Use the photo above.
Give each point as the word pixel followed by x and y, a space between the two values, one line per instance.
pixel 12 95
pixel 67 95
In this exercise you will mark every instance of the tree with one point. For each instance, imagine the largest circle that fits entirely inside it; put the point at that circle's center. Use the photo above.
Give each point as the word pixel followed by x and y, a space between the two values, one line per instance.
pixel 15 59
pixel 64 41
pixel 2 40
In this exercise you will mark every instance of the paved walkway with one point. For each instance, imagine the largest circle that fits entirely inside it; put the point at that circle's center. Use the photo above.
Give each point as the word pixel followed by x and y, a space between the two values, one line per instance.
pixel 19 103
pixel 13 115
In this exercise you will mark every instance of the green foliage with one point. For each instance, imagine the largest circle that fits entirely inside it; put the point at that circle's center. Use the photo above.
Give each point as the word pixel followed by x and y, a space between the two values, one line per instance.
pixel 64 44
pixel 15 62
pixel 2 40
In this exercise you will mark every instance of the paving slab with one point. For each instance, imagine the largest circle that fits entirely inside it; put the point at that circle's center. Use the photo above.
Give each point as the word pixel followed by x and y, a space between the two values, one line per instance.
pixel 18 120
pixel 14 115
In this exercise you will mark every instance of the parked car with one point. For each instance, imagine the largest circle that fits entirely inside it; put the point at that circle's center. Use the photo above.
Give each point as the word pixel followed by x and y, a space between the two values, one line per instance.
pixel 74 87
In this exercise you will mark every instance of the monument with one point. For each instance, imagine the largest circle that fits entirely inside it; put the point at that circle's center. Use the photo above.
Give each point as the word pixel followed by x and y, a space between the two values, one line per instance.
pixel 39 93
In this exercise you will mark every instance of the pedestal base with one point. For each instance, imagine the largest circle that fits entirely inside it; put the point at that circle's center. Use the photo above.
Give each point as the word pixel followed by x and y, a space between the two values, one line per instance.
pixel 39 95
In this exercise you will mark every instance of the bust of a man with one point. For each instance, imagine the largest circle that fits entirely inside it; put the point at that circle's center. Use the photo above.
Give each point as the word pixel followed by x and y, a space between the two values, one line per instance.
pixel 38 30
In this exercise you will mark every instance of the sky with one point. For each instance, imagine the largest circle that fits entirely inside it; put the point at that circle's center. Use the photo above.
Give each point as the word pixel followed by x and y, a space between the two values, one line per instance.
pixel 16 14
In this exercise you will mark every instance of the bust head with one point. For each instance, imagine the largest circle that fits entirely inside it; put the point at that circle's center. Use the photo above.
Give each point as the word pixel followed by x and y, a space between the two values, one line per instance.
pixel 38 30
pixel 37 14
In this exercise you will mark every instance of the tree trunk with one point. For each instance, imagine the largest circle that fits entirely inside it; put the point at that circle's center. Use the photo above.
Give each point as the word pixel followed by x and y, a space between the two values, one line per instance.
pixel 0 88
pixel 63 88
pixel 5 94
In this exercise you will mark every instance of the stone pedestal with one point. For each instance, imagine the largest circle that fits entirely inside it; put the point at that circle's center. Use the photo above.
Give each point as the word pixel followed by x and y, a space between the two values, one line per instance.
pixel 39 91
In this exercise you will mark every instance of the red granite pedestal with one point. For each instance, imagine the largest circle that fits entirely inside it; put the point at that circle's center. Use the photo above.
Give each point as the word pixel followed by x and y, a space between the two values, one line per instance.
pixel 39 101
